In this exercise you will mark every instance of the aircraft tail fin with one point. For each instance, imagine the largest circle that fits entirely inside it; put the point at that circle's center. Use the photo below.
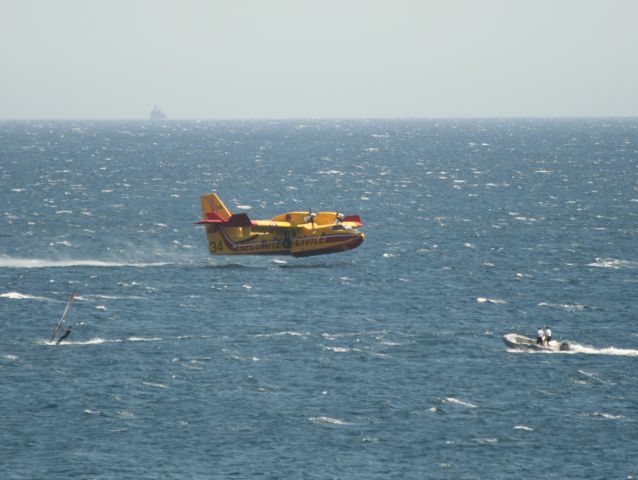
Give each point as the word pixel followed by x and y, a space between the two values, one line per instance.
pixel 213 208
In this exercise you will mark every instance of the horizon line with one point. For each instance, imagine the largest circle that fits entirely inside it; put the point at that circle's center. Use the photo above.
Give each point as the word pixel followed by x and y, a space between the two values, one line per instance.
pixel 271 119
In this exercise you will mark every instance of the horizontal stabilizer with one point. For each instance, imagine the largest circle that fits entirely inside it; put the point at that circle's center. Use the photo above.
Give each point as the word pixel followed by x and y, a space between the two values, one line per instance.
pixel 211 217
pixel 353 219
pixel 236 220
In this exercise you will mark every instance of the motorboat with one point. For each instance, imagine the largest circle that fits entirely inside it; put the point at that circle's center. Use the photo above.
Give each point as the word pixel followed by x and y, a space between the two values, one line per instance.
pixel 520 342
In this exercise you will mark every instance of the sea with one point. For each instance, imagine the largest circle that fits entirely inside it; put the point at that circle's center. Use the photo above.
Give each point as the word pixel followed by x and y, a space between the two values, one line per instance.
pixel 384 362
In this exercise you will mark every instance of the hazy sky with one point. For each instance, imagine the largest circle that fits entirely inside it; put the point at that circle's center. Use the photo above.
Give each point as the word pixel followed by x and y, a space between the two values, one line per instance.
pixel 226 59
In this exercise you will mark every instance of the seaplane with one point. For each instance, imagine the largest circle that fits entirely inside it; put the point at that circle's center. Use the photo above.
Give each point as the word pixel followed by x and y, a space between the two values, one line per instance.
pixel 300 234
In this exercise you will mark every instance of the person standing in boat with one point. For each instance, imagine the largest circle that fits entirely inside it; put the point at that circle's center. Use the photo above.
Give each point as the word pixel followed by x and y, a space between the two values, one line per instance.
pixel 540 336
pixel 548 335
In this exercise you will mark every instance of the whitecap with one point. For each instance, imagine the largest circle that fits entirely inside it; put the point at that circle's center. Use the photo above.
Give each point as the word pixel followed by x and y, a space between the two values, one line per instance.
pixel 566 306
pixel 328 420
pixel 337 349
pixel 456 401
pixel 8 356
pixel 524 427
pixel 489 300
pixel 156 385
pixel 288 333
pixel 488 441
pixel 608 416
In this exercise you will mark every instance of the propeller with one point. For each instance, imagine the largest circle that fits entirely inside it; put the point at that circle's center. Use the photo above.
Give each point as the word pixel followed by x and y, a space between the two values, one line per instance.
pixel 311 217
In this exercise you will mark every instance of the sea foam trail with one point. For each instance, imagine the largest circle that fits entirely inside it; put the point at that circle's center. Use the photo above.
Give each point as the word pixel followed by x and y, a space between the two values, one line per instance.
pixel 575 348
pixel 613 263
pixel 22 296
pixel 99 341
pixel 9 262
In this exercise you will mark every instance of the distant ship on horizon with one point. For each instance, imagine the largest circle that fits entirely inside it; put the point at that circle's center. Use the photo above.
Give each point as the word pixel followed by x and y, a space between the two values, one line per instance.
pixel 157 114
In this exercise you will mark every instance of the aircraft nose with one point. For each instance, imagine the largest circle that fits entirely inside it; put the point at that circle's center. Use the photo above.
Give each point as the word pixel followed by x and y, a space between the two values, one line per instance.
pixel 357 241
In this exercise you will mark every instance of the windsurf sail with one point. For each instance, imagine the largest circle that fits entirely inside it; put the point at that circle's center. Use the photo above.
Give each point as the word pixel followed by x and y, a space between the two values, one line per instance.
pixel 64 315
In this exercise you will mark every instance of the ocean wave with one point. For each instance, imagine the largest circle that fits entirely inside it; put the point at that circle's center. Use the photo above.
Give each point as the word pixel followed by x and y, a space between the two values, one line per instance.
pixel 490 300
pixel 608 416
pixel 456 401
pixel 288 333
pixel 524 427
pixel 337 349
pixel 156 385
pixel 566 306
pixel 329 421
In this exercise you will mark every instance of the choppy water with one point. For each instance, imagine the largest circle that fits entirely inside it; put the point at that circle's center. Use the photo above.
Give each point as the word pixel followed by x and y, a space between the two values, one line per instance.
pixel 383 362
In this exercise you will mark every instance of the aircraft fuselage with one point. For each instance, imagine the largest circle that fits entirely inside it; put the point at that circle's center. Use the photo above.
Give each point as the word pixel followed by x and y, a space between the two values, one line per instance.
pixel 299 234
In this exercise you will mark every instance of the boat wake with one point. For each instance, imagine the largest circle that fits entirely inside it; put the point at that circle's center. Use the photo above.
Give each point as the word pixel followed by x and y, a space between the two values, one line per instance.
pixel 98 341
pixel 576 348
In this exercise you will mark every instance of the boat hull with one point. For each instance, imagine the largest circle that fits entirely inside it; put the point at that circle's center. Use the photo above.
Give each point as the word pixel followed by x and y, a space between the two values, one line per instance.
pixel 520 342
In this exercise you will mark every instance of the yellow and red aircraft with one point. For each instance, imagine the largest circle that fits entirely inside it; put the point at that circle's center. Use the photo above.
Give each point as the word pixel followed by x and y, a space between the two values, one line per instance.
pixel 300 234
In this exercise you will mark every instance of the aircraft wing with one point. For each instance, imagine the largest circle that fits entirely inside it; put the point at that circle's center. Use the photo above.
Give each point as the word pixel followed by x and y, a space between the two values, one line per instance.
pixel 271 224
